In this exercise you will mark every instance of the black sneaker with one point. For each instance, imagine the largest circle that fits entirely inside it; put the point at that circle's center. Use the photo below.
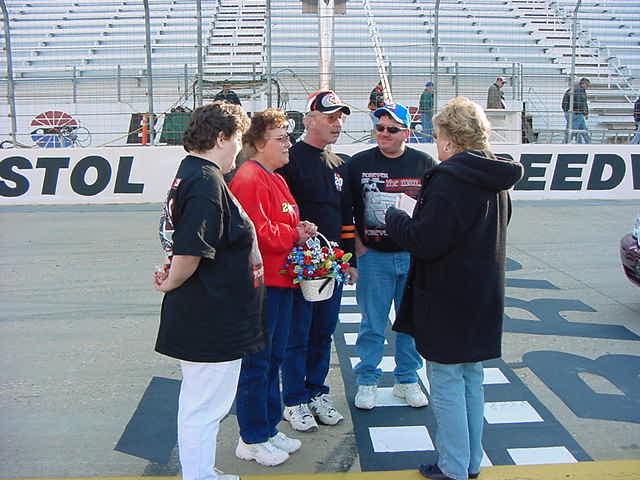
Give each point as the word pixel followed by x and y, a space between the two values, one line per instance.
pixel 433 472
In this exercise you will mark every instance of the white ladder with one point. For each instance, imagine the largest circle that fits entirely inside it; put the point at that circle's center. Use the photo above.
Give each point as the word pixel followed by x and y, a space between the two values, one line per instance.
pixel 377 47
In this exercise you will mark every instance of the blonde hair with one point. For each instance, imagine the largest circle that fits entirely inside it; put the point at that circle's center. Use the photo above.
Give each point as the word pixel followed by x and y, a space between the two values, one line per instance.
pixel 465 124
pixel 261 122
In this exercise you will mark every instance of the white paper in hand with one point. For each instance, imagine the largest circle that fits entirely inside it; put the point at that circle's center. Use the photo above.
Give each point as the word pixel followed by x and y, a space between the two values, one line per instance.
pixel 405 203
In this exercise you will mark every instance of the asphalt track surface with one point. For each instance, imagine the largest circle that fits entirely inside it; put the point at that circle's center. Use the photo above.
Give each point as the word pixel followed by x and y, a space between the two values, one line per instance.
pixel 79 319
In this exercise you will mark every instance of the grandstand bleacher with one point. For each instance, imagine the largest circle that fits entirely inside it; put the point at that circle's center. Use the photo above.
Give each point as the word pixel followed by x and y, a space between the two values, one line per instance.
pixel 94 52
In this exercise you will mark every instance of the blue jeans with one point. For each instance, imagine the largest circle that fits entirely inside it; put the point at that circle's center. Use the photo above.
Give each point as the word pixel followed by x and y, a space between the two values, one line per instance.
pixel 381 279
pixel 636 138
pixel 427 128
pixel 457 402
pixel 567 133
pixel 258 403
pixel 579 123
pixel 306 362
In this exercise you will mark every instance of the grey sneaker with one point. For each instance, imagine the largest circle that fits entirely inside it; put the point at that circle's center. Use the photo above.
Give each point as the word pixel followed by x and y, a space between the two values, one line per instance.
pixel 285 443
pixel 322 407
pixel 411 392
pixel 366 397
pixel 300 418
pixel 264 453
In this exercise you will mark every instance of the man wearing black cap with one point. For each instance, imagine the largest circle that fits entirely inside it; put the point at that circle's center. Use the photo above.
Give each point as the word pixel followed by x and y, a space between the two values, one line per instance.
pixel 379 176
pixel 317 180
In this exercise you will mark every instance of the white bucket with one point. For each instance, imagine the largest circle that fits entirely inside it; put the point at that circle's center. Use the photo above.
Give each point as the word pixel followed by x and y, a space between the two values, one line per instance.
pixel 317 289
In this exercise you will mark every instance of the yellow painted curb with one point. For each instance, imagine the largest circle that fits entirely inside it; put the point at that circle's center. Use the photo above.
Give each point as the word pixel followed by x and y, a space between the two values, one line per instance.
pixel 602 470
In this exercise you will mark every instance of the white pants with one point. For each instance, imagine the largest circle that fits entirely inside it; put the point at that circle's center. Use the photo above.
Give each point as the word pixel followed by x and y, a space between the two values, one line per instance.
pixel 206 396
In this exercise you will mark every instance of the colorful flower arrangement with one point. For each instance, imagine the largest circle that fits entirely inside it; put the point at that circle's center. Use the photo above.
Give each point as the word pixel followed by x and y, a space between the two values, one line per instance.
pixel 312 261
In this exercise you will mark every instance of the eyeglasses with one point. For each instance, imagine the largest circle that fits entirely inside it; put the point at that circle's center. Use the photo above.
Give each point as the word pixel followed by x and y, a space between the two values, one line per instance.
pixel 392 129
pixel 282 139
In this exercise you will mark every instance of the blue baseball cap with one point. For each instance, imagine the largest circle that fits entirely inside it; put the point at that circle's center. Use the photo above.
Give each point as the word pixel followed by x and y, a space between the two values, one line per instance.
pixel 398 112
pixel 428 84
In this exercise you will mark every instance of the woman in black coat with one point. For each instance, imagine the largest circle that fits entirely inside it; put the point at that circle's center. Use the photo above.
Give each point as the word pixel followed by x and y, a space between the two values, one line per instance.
pixel 454 298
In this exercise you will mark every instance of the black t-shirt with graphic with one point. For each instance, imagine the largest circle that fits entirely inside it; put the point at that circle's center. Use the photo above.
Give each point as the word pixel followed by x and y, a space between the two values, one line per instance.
pixel 215 316
pixel 376 181
pixel 321 192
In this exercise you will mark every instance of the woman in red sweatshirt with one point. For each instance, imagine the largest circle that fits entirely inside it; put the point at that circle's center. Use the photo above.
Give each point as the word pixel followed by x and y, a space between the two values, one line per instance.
pixel 267 200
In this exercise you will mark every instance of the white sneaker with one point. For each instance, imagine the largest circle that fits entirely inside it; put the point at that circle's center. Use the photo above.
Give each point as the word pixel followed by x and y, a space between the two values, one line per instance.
pixel 411 392
pixel 264 453
pixel 366 397
pixel 224 476
pixel 300 418
pixel 322 407
pixel 284 443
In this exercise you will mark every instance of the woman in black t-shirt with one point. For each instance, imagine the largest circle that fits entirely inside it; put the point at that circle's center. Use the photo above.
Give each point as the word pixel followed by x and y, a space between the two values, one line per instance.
pixel 211 311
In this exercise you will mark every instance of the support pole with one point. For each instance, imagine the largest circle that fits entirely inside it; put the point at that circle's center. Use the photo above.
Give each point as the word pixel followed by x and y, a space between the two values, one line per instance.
pixel 326 17
pixel 268 53
pixel 436 54
pixel 147 45
pixel 11 92
pixel 572 80
pixel 199 44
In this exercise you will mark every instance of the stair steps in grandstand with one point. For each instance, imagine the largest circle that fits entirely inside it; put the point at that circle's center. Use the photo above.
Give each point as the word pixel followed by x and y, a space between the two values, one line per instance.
pixel 234 50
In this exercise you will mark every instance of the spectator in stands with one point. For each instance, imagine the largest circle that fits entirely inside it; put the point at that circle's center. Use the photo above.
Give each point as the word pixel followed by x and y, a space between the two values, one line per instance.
pixel 317 179
pixel 459 225
pixel 376 97
pixel 268 202
pixel 426 112
pixel 211 313
pixel 227 95
pixel 636 118
pixel 580 112
pixel 495 95
pixel 379 175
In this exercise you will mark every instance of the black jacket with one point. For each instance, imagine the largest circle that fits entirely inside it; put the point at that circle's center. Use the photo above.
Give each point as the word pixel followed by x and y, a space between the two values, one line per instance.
pixel 454 298
pixel 580 102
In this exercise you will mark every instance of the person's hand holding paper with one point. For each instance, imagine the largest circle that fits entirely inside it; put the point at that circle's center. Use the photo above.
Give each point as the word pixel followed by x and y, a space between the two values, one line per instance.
pixel 405 203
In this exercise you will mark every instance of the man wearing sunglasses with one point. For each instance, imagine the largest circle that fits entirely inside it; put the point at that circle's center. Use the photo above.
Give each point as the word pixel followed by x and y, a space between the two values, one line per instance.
pixel 316 178
pixel 377 177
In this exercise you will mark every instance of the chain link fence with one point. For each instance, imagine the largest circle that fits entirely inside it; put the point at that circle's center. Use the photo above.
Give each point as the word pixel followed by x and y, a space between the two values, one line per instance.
pixel 96 74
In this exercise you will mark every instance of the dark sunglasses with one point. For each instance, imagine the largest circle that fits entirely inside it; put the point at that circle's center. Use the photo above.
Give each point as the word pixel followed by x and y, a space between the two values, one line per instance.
pixel 392 129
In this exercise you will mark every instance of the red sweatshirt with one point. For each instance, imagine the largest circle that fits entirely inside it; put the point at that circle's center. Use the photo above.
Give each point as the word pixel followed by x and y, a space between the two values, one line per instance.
pixel 267 200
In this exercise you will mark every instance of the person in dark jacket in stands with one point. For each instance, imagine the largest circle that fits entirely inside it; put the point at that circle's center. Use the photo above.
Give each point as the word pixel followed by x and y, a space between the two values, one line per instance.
pixel 636 119
pixel 213 285
pixel 227 95
pixel 317 179
pixel 580 111
pixel 495 95
pixel 453 302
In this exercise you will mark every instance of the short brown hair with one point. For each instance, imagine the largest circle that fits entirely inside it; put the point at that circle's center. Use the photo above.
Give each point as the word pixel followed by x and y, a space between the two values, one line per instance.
pixel 208 121
pixel 260 123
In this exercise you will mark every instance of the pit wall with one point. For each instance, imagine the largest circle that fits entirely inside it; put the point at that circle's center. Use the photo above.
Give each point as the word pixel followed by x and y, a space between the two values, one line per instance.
pixel 143 174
